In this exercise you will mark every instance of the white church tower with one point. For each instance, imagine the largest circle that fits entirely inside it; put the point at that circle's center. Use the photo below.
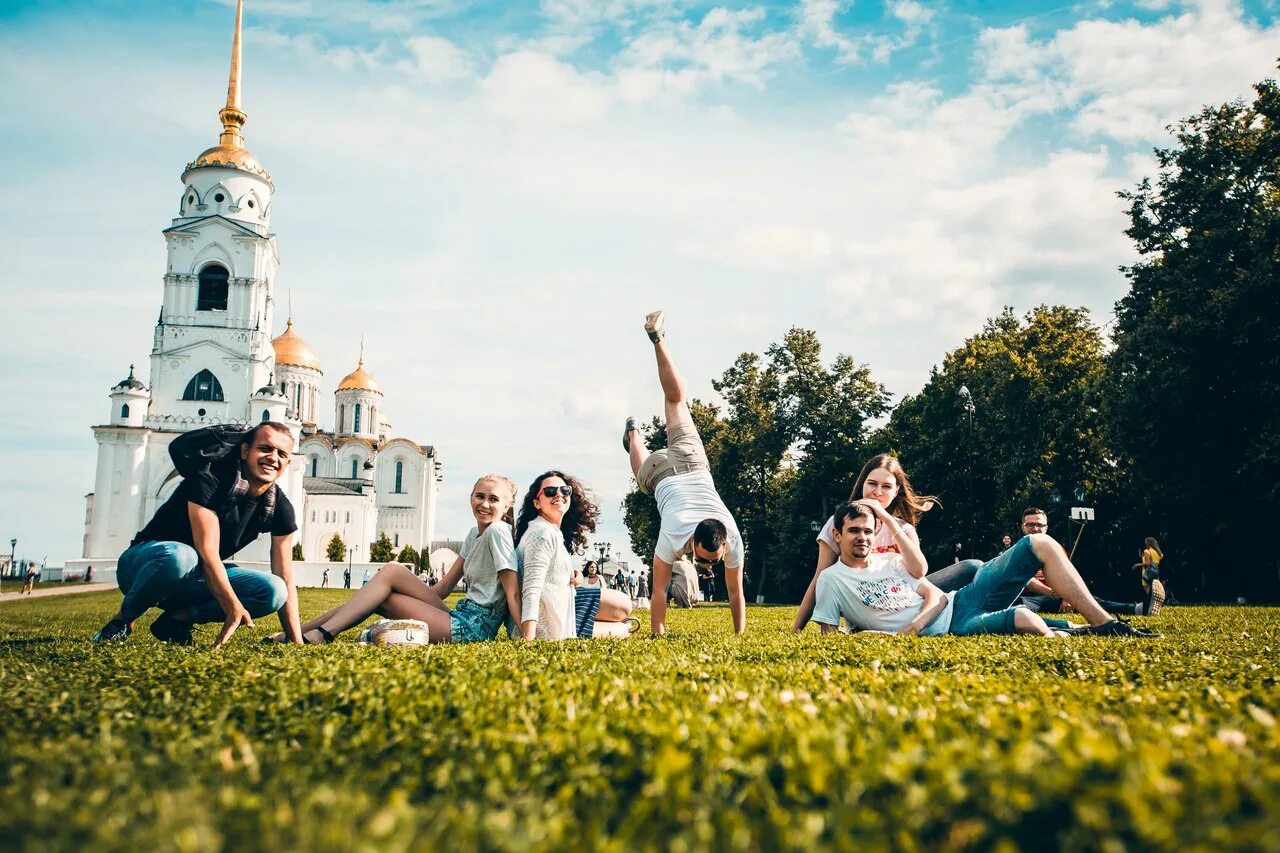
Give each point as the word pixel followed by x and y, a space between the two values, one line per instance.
pixel 211 358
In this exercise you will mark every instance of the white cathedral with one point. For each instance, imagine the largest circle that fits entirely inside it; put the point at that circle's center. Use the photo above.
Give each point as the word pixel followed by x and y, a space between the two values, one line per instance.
pixel 213 361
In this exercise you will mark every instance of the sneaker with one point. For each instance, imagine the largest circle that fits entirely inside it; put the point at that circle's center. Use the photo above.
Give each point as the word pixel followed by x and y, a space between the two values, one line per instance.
pixel 626 434
pixel 1157 598
pixel 653 325
pixel 1074 630
pixel 113 631
pixel 166 629
pixel 1120 628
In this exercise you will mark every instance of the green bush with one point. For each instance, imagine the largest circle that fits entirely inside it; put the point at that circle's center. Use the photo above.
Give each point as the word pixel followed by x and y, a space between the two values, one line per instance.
pixel 696 741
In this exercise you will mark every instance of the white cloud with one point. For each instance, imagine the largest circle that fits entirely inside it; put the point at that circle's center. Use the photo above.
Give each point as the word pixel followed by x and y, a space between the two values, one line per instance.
pixel 536 87
pixel 436 60
pixel 1127 80
pixel 816 22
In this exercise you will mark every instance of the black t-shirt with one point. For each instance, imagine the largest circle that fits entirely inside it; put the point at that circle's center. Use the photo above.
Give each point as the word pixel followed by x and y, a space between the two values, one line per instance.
pixel 238 521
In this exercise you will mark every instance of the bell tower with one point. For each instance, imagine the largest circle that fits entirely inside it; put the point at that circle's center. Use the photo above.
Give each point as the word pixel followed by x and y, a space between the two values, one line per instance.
pixel 212 347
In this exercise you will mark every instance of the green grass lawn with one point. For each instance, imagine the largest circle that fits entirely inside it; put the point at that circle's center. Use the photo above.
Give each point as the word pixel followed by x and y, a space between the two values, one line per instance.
pixel 697 741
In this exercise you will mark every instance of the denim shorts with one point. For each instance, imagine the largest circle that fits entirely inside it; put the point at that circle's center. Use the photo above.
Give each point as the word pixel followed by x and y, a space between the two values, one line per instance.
pixel 986 605
pixel 471 622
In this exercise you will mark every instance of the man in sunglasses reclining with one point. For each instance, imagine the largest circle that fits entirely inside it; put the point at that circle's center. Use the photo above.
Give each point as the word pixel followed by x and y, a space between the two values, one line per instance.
pixel 884 596
pixel 695 520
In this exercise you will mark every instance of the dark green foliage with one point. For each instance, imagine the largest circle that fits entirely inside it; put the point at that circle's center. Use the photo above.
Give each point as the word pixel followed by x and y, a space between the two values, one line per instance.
pixel 337 550
pixel 1036 385
pixel 409 555
pixel 297 551
pixel 697 741
pixel 1195 403
pixel 381 550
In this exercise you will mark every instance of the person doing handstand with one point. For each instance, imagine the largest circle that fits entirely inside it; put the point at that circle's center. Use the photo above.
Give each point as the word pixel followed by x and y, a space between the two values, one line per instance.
pixel 695 520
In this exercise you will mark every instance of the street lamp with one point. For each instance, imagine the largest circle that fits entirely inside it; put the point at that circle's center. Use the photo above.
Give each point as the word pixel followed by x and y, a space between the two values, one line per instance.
pixel 13 549
pixel 966 404
pixel 603 548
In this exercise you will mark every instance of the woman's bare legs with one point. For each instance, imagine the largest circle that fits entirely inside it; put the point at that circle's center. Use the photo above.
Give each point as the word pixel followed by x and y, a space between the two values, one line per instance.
pixel 393 578
pixel 614 606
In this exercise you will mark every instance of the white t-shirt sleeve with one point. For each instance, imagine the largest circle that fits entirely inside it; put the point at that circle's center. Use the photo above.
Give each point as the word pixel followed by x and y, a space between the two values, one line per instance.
pixel 826 608
pixel 828 534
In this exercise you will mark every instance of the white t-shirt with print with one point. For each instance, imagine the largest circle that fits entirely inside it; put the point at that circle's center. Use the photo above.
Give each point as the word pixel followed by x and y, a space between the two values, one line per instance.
pixel 884 545
pixel 684 500
pixel 880 598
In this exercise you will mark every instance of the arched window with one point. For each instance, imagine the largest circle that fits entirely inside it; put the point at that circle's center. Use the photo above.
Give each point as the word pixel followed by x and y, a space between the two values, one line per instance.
pixel 356 427
pixel 203 386
pixel 124 410
pixel 354 467
pixel 212 295
pixel 342 419
pixel 315 461
pixel 266 415
pixel 399 478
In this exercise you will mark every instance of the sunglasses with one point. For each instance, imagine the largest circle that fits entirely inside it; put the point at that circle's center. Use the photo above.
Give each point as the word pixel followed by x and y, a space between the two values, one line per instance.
pixel 552 491
pixel 704 564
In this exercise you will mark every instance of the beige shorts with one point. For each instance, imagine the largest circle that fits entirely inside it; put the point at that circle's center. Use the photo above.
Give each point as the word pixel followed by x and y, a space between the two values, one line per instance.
pixel 684 453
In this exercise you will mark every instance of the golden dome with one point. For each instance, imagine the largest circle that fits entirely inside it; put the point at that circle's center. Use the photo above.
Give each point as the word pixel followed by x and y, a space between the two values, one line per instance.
pixel 293 350
pixel 359 380
pixel 230 157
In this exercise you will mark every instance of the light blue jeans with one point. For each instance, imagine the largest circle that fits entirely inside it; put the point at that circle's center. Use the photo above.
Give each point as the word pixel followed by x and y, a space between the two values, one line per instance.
pixel 167 575
pixel 987 604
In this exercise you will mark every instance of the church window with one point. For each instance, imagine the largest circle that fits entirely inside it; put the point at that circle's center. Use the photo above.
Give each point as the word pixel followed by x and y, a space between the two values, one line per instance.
pixel 219 198
pixel 251 202
pixel 356 427
pixel 212 295
pixel 124 410
pixel 200 412
pixel 354 463
pixel 315 461
pixel 191 199
pixel 397 540
pixel 348 516
pixel 266 415
pixel 203 386
pixel 313 516
pixel 399 478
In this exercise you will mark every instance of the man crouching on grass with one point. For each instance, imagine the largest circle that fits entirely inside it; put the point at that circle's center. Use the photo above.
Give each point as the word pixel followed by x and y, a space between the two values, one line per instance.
pixel 885 596
pixel 176 561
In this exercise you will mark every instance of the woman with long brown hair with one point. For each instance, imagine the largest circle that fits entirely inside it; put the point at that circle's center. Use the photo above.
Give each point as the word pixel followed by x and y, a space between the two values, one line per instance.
pixel 556 516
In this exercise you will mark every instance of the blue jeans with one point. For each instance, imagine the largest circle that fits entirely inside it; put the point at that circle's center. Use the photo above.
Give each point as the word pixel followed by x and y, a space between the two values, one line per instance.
pixel 985 606
pixel 167 575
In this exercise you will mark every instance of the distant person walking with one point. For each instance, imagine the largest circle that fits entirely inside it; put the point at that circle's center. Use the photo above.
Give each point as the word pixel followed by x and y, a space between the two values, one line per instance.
pixel 88 575
pixel 30 585
pixel 346 578
pixel 324 579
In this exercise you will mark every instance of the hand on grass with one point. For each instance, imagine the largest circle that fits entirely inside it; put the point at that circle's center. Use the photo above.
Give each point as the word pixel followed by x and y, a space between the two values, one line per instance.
pixel 236 617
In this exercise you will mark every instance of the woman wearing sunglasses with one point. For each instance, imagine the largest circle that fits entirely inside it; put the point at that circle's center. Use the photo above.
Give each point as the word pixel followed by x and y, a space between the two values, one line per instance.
pixel 555 519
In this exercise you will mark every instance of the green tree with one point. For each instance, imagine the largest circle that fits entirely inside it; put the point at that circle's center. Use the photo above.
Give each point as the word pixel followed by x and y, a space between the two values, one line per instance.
pixel 1036 431
pixel 1194 409
pixel 381 550
pixel 297 551
pixel 409 555
pixel 336 551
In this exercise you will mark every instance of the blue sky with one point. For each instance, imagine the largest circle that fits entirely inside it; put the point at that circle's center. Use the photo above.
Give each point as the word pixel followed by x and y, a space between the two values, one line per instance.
pixel 495 194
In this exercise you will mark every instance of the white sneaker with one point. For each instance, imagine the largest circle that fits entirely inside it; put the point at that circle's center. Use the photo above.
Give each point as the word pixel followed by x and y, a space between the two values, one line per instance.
pixel 653 325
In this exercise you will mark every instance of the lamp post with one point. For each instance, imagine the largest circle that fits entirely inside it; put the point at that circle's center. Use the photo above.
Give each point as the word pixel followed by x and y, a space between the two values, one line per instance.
pixel 603 548
pixel 13 549
pixel 966 404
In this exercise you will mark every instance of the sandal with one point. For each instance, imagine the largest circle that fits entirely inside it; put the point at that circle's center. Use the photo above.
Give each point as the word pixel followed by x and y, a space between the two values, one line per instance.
pixel 328 638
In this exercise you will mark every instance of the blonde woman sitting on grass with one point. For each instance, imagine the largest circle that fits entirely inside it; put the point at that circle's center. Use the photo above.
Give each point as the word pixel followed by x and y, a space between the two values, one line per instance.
pixel 487 562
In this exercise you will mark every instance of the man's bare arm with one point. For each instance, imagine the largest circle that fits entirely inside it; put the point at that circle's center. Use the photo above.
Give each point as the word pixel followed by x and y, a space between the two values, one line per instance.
pixel 282 567
pixel 207 537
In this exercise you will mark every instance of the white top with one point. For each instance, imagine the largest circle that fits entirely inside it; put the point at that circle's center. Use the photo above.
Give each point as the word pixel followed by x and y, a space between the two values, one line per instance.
pixel 545 570
pixel 484 555
pixel 684 500
pixel 598 580
pixel 880 598
pixel 884 546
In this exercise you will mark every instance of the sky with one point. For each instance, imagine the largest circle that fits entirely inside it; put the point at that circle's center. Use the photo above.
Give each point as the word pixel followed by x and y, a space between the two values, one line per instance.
pixel 494 195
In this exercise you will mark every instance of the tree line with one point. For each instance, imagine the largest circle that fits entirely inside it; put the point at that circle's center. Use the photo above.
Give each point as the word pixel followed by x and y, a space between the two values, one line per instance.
pixel 1168 425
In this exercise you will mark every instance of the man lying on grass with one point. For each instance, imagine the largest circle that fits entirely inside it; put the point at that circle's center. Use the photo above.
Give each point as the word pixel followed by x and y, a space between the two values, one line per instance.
pixel 176 561
pixel 886 596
